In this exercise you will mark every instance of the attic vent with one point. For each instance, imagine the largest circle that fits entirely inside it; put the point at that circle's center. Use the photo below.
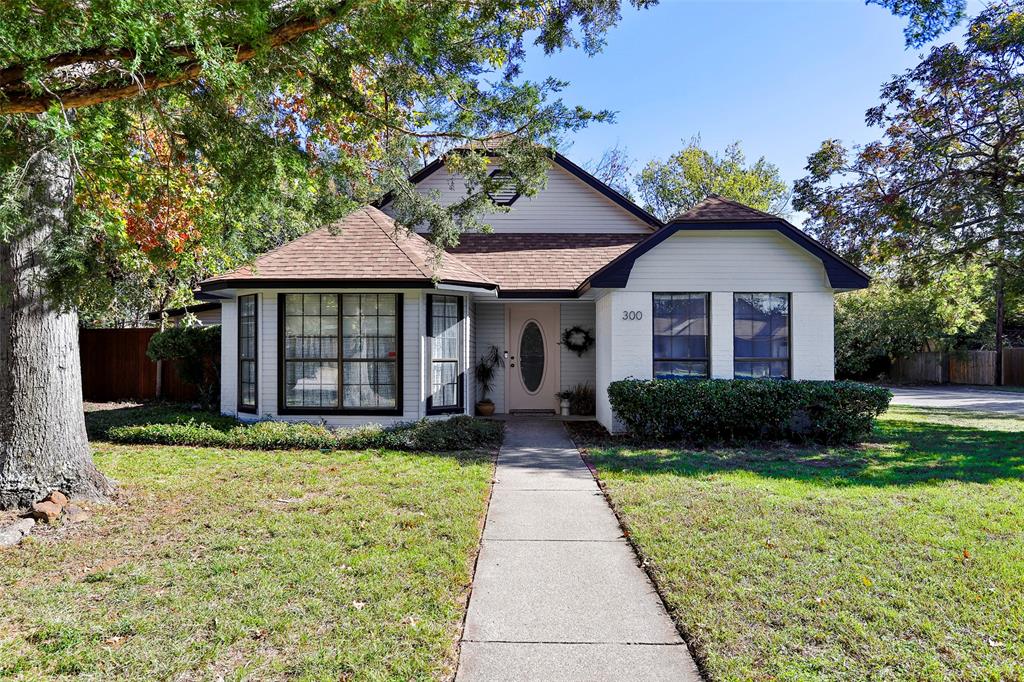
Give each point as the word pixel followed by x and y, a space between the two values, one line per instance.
pixel 506 194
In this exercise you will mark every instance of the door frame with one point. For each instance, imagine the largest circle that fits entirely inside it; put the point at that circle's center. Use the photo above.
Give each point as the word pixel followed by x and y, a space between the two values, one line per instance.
pixel 552 348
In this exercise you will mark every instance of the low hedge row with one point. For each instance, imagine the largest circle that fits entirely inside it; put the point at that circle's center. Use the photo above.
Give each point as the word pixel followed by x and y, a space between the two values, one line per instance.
pixel 719 410
pixel 457 433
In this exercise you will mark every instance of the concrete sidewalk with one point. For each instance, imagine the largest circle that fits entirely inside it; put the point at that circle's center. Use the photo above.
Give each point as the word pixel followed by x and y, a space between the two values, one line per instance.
pixel 558 594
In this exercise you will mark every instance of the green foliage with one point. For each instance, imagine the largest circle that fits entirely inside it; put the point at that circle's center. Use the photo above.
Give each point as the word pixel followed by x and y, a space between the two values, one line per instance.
pixel 717 410
pixel 927 19
pixel 485 370
pixel 694 173
pixel 886 321
pixel 457 433
pixel 943 185
pixel 196 351
pixel 199 177
pixel 582 399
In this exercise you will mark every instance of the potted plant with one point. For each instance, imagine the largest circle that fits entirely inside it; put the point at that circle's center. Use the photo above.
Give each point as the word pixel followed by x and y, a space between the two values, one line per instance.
pixel 484 373
pixel 563 402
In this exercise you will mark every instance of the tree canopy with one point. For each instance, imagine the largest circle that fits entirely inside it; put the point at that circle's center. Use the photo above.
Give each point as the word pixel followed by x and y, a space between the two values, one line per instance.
pixel 946 181
pixel 693 173
pixel 204 133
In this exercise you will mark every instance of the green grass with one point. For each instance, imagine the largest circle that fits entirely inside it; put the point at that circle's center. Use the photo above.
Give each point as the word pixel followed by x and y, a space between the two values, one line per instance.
pixel 260 565
pixel 899 559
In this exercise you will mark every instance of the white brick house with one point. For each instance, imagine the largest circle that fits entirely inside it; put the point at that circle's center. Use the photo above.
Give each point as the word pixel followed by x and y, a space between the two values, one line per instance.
pixel 359 324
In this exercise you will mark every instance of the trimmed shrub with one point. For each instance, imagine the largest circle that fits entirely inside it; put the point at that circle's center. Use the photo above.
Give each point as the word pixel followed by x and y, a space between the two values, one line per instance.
pixel 719 410
pixel 457 433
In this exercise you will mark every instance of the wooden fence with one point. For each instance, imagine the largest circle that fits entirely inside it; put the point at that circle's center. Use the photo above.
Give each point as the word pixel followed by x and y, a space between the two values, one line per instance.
pixel 115 367
pixel 977 367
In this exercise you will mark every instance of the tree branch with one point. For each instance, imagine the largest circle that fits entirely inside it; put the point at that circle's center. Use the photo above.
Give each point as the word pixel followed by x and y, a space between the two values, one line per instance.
pixel 10 78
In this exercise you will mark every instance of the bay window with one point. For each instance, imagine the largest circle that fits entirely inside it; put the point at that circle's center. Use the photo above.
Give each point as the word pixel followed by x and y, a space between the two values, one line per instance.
pixel 340 353
pixel 761 336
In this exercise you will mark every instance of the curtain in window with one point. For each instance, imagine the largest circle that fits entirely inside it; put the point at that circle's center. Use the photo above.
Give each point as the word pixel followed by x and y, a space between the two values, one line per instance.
pixel 247 352
pixel 445 315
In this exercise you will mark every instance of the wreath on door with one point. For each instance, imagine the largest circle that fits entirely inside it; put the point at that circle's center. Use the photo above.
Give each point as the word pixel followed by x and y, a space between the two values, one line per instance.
pixel 578 340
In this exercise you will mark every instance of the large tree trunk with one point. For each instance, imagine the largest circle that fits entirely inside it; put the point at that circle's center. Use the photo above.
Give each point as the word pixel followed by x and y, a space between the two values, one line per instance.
pixel 43 446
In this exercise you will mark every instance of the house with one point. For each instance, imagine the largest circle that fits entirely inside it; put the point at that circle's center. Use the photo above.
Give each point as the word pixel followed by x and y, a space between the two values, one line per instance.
pixel 363 322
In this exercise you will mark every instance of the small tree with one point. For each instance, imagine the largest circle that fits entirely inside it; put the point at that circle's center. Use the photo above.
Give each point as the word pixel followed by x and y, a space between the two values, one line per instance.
pixel 887 321
pixel 195 351
pixel 485 371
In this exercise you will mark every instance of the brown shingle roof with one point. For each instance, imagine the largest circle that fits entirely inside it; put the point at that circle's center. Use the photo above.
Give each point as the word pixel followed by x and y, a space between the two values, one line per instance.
pixel 541 262
pixel 365 245
pixel 716 208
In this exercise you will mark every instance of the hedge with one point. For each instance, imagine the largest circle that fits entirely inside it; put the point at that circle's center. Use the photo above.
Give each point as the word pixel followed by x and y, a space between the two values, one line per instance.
pixel 457 433
pixel 720 410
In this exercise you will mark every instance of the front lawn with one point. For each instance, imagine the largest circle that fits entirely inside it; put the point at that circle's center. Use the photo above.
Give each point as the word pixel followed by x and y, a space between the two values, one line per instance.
pixel 244 564
pixel 900 559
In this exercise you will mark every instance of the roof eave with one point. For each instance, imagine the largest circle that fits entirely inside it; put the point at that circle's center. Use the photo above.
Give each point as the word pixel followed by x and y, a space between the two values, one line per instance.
pixel 841 273
pixel 345 283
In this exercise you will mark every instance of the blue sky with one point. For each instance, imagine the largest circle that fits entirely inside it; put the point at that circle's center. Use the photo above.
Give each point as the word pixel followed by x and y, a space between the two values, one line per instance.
pixel 780 76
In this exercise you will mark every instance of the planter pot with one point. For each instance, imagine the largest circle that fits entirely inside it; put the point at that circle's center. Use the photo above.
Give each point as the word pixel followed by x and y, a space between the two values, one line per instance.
pixel 564 405
pixel 485 408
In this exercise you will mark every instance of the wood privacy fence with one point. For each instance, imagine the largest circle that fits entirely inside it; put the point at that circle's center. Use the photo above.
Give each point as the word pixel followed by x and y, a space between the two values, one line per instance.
pixel 970 367
pixel 115 367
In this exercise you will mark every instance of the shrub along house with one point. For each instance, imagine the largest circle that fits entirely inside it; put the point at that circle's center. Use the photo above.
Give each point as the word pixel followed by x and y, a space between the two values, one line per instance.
pixel 361 323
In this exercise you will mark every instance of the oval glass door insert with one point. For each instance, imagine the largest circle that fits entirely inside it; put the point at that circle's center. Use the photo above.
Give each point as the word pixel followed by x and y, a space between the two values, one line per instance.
pixel 531 356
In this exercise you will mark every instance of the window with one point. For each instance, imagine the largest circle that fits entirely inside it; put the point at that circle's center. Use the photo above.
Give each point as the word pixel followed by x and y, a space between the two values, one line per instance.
pixel 340 353
pixel 443 328
pixel 680 336
pixel 247 353
pixel 761 336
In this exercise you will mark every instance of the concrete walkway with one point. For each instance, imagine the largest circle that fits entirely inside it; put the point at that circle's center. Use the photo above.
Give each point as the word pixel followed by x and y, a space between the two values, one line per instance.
pixel 558 594
pixel 959 398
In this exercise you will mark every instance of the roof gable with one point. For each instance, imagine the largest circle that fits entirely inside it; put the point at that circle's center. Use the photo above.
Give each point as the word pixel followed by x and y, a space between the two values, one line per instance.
pixel 718 213
pixel 577 176
pixel 364 246
pixel 717 208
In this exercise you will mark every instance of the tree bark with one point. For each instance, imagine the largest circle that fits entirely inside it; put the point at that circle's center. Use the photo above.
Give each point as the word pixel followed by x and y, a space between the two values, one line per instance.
pixel 1000 285
pixel 43 444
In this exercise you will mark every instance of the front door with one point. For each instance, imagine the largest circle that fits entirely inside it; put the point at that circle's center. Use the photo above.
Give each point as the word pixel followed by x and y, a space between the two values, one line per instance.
pixel 533 373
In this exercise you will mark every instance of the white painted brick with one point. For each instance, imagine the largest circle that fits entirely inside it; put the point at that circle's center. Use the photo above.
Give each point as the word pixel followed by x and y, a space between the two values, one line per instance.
pixel 813 335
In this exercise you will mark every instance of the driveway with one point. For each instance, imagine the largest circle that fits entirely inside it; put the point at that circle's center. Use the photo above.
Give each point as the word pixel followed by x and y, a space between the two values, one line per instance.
pixel 961 398
pixel 558 594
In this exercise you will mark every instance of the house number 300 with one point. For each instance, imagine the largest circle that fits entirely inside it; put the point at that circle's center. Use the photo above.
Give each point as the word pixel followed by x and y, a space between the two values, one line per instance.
pixel 632 315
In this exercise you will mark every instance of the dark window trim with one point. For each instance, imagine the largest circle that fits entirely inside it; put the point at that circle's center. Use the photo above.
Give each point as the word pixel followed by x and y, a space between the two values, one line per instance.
pixel 343 411
pixel 254 408
pixel 707 337
pixel 460 406
pixel 789 333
